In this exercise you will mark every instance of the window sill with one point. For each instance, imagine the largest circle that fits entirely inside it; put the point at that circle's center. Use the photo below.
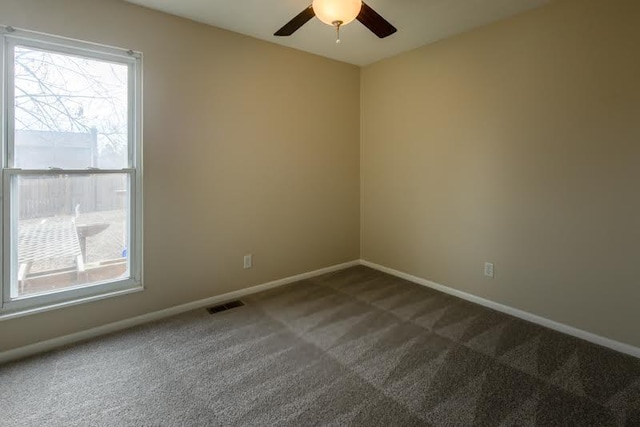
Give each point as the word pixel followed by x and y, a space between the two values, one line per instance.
pixel 49 307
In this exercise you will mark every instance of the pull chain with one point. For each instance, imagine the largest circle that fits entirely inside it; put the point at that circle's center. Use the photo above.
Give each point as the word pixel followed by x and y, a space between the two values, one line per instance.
pixel 337 24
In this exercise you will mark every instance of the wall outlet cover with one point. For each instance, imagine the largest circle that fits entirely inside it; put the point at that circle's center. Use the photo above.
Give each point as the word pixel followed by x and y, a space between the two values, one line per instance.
pixel 488 269
pixel 248 261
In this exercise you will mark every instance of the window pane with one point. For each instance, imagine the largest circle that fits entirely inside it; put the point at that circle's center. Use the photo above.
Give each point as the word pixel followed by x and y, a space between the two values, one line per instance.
pixel 70 112
pixel 72 230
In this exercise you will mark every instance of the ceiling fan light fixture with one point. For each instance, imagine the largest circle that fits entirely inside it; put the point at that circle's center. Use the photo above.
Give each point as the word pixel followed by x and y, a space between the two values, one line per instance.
pixel 337 11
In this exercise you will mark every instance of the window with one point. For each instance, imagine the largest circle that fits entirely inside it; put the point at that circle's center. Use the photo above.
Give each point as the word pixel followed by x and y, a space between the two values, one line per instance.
pixel 71 171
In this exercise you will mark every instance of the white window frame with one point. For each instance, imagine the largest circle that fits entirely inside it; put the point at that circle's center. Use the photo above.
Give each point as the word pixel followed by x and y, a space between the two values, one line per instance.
pixel 11 308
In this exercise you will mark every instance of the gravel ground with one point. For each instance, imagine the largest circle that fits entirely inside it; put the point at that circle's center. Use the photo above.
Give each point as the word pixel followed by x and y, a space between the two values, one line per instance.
pixel 109 243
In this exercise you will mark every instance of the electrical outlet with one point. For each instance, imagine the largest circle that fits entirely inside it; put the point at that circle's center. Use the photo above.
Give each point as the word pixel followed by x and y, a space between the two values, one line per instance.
pixel 488 269
pixel 248 261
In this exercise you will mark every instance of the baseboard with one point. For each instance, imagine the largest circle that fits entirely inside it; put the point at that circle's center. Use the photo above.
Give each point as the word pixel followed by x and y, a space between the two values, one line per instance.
pixel 542 321
pixel 54 343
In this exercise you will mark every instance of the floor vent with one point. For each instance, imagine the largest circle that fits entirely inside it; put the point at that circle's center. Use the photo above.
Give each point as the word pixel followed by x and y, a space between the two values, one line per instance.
pixel 225 307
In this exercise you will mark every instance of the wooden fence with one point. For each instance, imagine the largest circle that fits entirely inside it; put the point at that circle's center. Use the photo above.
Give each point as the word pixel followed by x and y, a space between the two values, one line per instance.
pixel 45 197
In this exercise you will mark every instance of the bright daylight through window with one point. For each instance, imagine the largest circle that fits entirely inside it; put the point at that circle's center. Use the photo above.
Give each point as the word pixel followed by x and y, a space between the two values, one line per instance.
pixel 71 188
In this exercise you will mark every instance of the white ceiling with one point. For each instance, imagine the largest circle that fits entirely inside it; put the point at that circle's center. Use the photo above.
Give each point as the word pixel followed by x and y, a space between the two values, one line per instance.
pixel 419 22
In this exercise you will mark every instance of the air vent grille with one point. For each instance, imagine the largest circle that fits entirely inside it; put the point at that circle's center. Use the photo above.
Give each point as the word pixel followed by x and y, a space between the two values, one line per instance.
pixel 225 307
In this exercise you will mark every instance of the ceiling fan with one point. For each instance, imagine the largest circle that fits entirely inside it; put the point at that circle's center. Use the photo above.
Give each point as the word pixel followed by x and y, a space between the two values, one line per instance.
pixel 338 13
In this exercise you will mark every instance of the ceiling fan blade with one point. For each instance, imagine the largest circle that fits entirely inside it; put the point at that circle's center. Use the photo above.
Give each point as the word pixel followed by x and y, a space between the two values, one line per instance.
pixel 297 22
pixel 374 22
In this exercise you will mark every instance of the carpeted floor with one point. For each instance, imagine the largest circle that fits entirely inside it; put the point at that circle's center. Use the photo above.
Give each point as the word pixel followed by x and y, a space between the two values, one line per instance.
pixel 356 347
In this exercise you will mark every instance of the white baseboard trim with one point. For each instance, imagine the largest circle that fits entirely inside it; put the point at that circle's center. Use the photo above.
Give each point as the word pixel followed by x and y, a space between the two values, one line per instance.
pixel 542 321
pixel 54 343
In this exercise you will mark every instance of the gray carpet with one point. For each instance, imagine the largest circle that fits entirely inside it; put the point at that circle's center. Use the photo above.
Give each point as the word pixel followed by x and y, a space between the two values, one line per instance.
pixel 356 347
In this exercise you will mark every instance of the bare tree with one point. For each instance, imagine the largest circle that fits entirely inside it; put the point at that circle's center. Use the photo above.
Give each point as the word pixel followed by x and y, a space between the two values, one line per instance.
pixel 64 93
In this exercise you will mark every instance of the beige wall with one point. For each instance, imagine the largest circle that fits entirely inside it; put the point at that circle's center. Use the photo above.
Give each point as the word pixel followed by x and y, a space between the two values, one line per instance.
pixel 245 151
pixel 518 143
